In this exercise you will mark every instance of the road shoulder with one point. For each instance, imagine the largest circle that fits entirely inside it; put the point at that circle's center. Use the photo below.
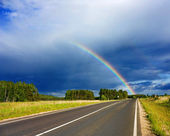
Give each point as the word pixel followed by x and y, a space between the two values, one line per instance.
pixel 144 122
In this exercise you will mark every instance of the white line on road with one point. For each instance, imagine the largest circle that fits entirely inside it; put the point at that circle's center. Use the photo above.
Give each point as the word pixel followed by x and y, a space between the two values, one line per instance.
pixel 76 119
pixel 135 120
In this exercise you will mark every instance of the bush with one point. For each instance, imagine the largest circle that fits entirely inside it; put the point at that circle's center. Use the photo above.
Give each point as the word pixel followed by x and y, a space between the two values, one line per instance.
pixel 103 97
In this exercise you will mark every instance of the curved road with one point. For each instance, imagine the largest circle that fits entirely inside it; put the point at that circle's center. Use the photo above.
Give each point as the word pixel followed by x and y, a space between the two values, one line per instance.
pixel 104 119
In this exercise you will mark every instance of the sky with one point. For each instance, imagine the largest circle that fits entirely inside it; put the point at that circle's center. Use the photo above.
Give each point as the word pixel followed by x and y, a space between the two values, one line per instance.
pixel 133 36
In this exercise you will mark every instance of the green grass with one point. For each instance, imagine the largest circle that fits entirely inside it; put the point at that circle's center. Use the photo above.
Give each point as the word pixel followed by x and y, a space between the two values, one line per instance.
pixel 18 109
pixel 159 114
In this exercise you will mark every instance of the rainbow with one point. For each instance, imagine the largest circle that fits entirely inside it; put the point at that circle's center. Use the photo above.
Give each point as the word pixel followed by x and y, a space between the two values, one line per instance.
pixel 106 64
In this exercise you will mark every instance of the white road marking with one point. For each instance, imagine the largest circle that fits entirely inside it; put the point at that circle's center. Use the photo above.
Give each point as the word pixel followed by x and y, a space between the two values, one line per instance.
pixel 135 120
pixel 76 119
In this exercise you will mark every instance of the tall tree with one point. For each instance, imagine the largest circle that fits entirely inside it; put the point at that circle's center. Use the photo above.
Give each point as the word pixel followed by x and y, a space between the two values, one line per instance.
pixel 79 95
pixel 19 91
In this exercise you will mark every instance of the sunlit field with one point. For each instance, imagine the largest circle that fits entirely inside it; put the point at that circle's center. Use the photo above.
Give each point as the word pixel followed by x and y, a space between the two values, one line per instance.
pixel 158 110
pixel 18 109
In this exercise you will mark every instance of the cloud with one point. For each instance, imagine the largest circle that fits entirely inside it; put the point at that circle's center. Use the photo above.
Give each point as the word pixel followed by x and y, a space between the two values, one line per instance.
pixel 45 24
pixel 133 36
pixel 163 87
pixel 51 21
pixel 157 86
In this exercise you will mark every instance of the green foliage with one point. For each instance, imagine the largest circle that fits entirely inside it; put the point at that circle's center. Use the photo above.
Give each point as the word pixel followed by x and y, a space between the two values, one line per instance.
pixel 159 114
pixel 113 94
pixel 49 97
pixel 97 98
pixel 19 91
pixel 103 97
pixel 18 109
pixel 137 96
pixel 79 95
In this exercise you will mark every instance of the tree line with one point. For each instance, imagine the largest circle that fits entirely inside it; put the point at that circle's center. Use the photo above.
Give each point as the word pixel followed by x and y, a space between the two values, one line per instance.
pixel 44 97
pixel 79 95
pixel 110 94
pixel 19 91
pixel 104 94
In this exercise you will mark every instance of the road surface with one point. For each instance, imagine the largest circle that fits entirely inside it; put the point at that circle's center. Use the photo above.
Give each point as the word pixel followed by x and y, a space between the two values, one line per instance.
pixel 104 119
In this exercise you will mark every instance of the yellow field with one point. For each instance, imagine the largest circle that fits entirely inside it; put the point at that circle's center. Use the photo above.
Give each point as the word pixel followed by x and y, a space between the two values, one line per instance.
pixel 18 109
pixel 159 114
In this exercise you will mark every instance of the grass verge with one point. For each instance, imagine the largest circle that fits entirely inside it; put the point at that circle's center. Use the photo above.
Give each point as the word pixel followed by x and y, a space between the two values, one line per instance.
pixel 18 109
pixel 158 111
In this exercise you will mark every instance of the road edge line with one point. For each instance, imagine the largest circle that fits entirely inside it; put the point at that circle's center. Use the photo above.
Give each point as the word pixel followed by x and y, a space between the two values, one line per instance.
pixel 135 120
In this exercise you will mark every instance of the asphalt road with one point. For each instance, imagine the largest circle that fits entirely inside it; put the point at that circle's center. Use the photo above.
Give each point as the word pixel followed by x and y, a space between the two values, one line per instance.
pixel 104 119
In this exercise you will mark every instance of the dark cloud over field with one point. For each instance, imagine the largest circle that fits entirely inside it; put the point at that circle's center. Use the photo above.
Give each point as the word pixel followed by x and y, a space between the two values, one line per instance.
pixel 133 36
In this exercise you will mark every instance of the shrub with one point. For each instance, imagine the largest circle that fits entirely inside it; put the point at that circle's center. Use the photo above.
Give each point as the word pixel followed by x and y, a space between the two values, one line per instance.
pixel 103 97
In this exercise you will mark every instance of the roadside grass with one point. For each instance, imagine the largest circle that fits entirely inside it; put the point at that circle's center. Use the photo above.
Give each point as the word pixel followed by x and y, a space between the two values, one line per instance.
pixel 18 109
pixel 158 111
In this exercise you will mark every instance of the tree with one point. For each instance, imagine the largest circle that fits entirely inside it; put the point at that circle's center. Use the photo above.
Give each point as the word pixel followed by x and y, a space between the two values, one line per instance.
pixel 125 94
pixel 103 97
pixel 19 91
pixel 120 93
pixel 113 94
pixel 79 95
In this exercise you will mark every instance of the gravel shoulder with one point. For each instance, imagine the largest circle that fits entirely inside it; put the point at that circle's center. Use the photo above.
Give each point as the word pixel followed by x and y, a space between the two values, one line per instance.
pixel 144 122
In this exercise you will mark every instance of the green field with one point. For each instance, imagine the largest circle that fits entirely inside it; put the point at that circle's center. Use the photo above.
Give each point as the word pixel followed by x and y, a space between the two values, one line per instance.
pixel 158 110
pixel 18 109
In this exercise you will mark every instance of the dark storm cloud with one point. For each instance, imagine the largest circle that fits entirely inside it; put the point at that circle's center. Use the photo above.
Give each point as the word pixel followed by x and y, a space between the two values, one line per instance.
pixel 163 87
pixel 132 36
